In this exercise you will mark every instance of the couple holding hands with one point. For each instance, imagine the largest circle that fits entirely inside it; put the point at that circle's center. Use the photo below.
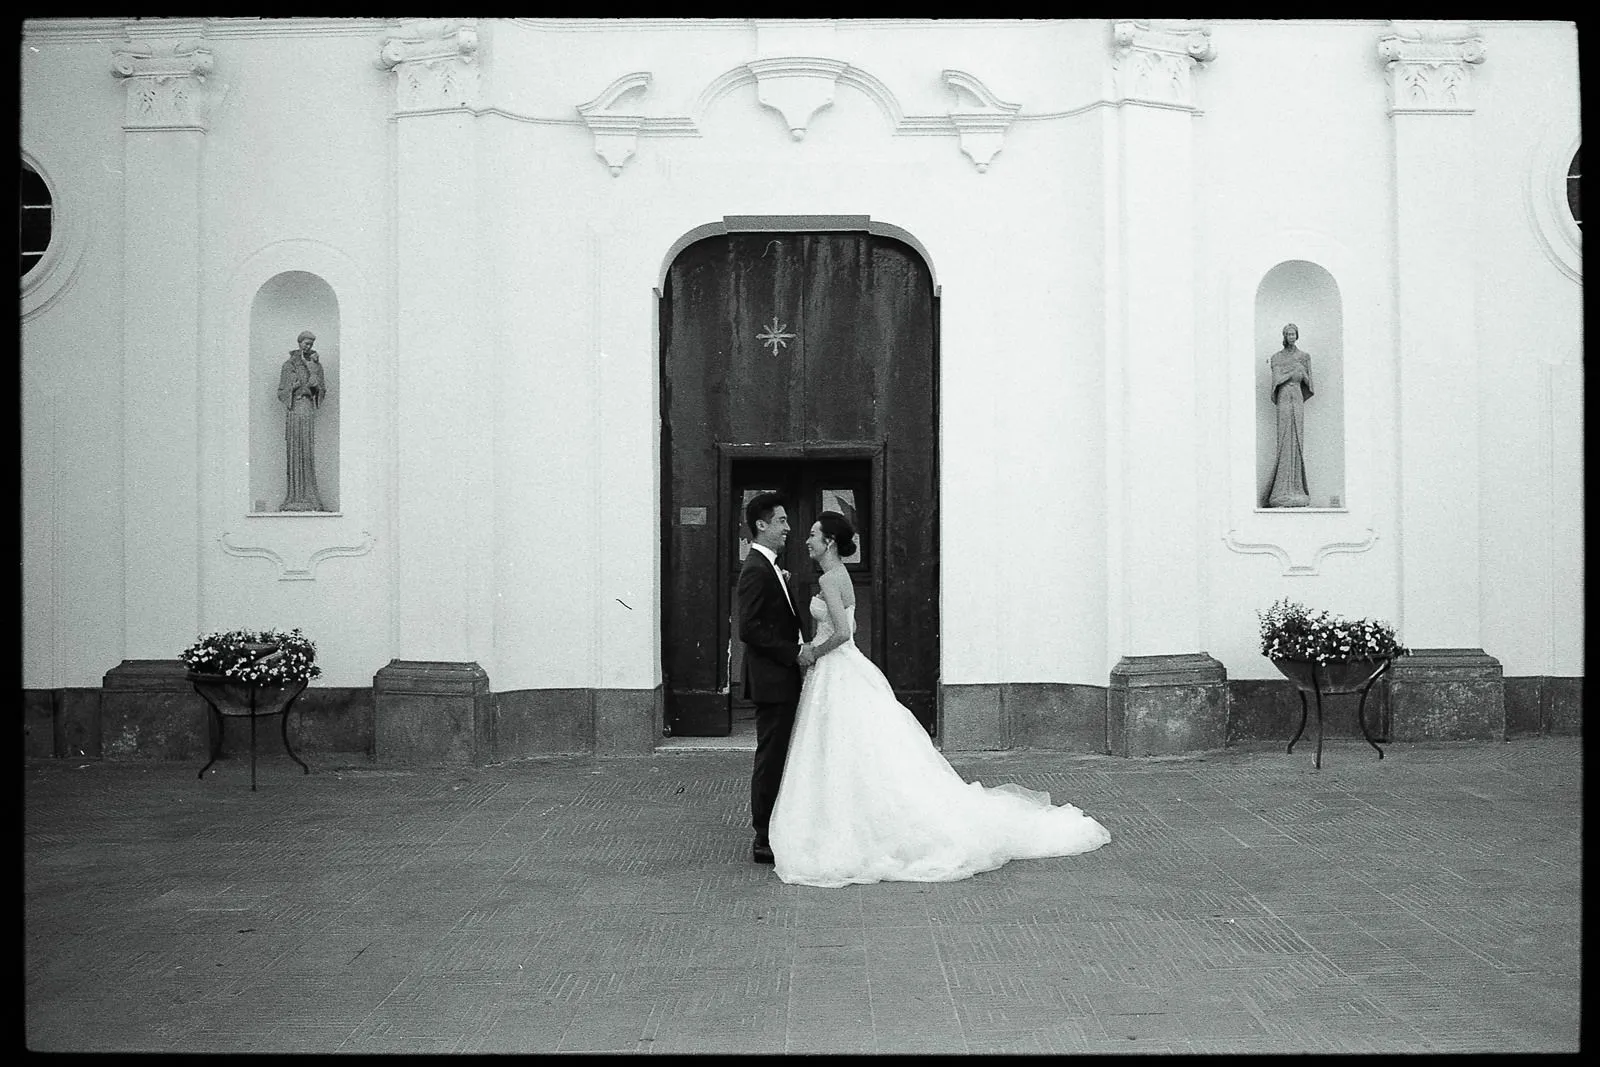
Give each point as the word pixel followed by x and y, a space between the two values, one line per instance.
pixel 847 786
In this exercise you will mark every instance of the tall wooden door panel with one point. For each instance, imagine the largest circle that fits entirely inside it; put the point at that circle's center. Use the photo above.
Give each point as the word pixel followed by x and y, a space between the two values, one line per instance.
pixel 804 348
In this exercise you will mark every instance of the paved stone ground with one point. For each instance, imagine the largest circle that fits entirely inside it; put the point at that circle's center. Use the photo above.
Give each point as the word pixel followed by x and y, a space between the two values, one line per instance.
pixel 1429 902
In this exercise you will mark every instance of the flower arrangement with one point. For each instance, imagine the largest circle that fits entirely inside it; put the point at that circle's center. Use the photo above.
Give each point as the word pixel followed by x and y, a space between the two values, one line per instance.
pixel 1291 631
pixel 270 657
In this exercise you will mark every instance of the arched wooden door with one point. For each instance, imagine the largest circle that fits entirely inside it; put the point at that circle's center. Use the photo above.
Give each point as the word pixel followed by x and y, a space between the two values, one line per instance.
pixel 807 361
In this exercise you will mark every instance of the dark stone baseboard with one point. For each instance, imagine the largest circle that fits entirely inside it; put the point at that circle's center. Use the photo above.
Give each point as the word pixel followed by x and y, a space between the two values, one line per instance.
pixel 39 722
pixel 1544 704
pixel 972 718
pixel 153 713
pixel 543 722
pixel 628 722
pixel 321 721
pixel 1561 706
pixel 548 722
pixel 1268 709
pixel 1056 715
pixel 1059 716
pixel 1524 706
pixel 66 723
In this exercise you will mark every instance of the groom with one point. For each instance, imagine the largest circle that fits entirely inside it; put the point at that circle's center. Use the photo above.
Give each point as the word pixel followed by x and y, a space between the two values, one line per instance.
pixel 769 626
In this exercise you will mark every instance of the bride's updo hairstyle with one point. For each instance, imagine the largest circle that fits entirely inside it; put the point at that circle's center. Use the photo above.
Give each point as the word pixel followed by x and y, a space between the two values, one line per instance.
pixel 838 527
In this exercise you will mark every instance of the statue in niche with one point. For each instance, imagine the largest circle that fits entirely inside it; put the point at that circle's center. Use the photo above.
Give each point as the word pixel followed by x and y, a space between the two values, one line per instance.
pixel 1291 388
pixel 302 385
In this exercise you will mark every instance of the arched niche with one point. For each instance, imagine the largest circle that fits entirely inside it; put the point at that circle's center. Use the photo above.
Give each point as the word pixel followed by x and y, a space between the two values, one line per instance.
pixel 1300 292
pixel 284 305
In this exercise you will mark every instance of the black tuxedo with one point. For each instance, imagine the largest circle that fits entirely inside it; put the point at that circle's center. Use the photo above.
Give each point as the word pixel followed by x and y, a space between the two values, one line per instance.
pixel 770 630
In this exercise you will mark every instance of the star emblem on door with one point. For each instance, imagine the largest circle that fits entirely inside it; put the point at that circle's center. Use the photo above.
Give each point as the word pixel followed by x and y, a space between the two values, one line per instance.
pixel 774 335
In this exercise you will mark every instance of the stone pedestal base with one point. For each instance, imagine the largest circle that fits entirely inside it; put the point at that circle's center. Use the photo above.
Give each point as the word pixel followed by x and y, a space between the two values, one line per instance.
pixel 431 712
pixel 1165 705
pixel 148 710
pixel 1447 694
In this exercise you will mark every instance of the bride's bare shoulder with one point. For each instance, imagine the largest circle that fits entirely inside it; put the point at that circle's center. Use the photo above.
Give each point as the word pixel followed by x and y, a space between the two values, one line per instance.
pixel 839 581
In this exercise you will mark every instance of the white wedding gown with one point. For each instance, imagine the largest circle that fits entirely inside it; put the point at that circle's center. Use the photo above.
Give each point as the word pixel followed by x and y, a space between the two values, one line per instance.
pixel 867 798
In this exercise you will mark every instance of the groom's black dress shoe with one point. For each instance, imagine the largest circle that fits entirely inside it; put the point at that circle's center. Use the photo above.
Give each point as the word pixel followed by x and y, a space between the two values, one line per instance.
pixel 761 852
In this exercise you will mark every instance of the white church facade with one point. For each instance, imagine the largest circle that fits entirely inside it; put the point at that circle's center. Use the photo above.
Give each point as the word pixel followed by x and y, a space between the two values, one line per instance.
pixel 1006 290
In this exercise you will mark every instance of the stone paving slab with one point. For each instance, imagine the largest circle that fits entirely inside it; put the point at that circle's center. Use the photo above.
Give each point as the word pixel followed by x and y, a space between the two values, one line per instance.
pixel 1427 902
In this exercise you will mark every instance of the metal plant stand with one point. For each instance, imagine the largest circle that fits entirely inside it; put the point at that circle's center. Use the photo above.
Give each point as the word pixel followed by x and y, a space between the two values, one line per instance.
pixel 1353 676
pixel 247 699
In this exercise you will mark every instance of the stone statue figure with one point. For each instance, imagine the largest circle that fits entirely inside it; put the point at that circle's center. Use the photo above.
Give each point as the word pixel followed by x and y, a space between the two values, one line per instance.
pixel 1291 388
pixel 301 388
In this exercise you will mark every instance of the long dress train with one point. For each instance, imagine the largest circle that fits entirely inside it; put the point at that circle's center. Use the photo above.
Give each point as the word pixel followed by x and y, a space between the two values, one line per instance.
pixel 866 797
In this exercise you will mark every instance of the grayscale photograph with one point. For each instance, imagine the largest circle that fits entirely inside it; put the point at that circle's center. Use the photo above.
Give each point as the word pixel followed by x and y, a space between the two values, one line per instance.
pixel 766 536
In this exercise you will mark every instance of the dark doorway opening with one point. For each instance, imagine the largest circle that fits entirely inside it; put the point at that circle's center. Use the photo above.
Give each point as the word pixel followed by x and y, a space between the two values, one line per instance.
pixel 810 486
pixel 803 363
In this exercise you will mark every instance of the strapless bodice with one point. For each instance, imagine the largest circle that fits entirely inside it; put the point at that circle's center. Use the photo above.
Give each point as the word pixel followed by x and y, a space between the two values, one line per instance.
pixel 824 621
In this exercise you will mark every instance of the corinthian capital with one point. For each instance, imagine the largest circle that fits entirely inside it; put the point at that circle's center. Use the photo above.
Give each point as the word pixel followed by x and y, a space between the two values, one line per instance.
pixel 1428 65
pixel 165 82
pixel 435 62
pixel 1153 60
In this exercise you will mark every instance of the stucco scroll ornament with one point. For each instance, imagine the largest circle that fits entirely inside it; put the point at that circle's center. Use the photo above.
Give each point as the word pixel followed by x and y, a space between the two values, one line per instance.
pixel 165 81
pixel 616 134
pixel 1429 67
pixel 797 87
pixel 435 63
pixel 1153 60
pixel 305 572
pixel 982 124
pixel 1299 551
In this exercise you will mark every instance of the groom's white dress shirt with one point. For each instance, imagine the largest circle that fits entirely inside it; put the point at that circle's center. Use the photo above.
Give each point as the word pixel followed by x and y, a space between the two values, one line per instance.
pixel 772 558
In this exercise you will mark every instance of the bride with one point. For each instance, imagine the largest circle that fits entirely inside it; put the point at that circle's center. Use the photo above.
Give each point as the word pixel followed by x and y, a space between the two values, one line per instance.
pixel 865 795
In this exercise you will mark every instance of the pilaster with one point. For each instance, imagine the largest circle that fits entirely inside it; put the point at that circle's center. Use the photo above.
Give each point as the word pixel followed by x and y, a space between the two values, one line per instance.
pixel 1157 701
pixel 1153 476
pixel 163 68
pixel 444 393
pixel 1429 66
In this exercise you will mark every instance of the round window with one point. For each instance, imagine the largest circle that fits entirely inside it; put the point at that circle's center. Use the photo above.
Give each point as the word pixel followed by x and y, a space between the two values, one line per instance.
pixel 33 224
pixel 1574 181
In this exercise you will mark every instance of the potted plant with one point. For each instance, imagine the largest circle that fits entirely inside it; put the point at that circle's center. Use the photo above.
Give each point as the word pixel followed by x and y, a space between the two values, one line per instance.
pixel 259 657
pixel 1319 649
pixel 251 673
pixel 1323 653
